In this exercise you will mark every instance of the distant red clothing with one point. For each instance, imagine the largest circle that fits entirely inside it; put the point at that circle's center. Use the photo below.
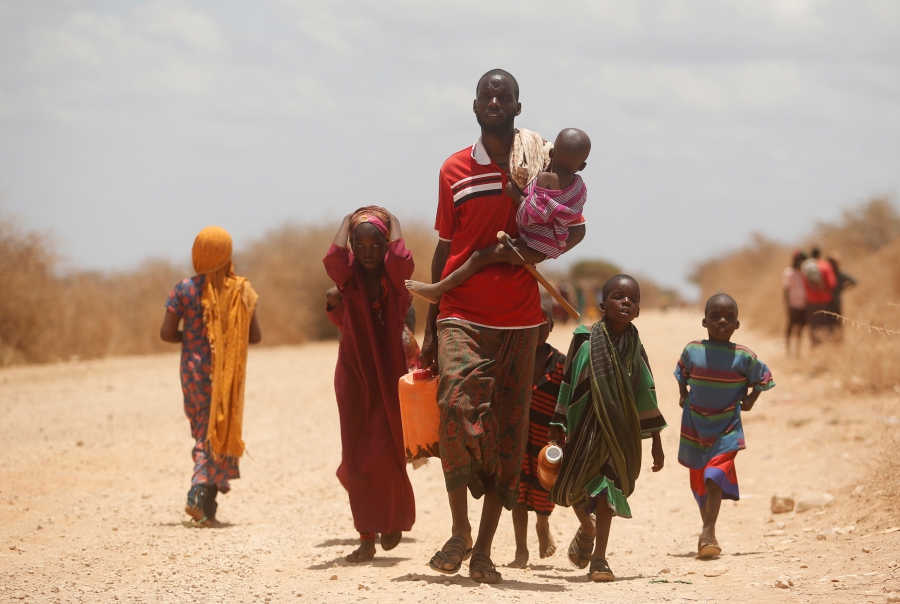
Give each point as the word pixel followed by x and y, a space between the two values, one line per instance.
pixel 371 360
pixel 471 209
pixel 829 280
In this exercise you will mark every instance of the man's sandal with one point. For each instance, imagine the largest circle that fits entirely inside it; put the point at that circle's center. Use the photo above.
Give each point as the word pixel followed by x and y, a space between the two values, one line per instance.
pixel 455 546
pixel 580 549
pixel 481 563
pixel 600 571
pixel 390 540
pixel 706 549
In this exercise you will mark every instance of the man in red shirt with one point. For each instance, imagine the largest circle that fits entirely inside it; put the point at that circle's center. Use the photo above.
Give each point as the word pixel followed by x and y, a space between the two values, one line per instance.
pixel 482 335
pixel 820 282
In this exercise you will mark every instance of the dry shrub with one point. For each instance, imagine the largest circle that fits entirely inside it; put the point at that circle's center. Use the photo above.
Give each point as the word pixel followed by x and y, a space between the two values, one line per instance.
pixel 29 302
pixel 46 317
pixel 884 467
pixel 117 313
pixel 867 237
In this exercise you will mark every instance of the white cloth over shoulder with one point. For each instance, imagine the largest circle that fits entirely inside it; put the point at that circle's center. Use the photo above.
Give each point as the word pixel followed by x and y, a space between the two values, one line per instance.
pixel 528 157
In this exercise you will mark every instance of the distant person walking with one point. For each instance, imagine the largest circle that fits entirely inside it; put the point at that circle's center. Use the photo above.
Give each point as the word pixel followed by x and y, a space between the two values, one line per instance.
pixel 219 313
pixel 820 280
pixel 370 313
pixel 795 299
pixel 843 281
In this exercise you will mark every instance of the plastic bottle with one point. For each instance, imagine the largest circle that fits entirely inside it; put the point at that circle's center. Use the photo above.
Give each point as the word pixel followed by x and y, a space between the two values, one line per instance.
pixel 419 414
pixel 549 463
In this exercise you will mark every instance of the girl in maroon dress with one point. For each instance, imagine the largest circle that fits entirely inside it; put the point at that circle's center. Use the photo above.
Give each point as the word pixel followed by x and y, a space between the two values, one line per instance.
pixel 371 275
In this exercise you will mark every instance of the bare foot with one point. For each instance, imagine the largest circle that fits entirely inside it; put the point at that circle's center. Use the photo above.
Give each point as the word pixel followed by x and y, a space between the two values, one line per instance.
pixel 364 553
pixel 521 559
pixel 546 543
pixel 424 290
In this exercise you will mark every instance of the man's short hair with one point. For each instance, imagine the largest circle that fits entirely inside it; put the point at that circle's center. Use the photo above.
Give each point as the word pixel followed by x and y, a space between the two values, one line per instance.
pixel 502 73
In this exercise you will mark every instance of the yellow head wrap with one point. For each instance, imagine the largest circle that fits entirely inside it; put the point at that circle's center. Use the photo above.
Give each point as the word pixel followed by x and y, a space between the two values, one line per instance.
pixel 229 303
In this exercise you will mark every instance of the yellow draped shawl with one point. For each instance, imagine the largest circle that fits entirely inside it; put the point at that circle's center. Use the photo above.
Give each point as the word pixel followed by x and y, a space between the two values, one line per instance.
pixel 229 303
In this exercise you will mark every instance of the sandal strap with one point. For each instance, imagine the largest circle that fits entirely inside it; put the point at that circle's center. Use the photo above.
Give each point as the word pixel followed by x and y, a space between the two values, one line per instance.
pixel 599 564
pixel 443 556
pixel 481 562
pixel 454 546
pixel 582 539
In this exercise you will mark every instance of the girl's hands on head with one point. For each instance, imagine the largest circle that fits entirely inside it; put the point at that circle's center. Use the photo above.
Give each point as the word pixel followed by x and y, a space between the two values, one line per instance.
pixel 343 233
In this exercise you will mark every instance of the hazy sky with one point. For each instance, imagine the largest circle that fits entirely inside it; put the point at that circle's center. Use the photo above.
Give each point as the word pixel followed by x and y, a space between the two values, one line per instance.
pixel 125 127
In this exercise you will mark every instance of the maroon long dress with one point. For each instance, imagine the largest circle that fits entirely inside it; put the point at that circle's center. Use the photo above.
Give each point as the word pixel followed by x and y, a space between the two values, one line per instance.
pixel 371 361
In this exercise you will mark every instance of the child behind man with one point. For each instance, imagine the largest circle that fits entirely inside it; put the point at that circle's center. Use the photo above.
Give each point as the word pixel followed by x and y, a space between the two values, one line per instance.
pixel 713 377
pixel 533 497
pixel 550 203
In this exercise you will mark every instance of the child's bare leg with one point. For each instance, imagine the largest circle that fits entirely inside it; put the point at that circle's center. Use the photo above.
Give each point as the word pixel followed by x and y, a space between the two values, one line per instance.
pixel 710 513
pixel 604 522
pixel 587 522
pixel 599 570
pixel 477 261
pixel 546 544
pixel 582 545
pixel 520 527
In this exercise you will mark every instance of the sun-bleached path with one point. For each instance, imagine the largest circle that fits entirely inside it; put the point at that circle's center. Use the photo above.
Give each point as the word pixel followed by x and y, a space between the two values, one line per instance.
pixel 95 464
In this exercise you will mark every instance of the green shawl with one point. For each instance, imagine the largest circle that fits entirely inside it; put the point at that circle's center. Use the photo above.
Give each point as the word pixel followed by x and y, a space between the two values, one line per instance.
pixel 612 433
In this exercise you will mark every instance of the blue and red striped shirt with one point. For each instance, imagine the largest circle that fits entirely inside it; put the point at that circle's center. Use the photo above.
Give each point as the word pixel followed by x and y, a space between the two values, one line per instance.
pixel 718 376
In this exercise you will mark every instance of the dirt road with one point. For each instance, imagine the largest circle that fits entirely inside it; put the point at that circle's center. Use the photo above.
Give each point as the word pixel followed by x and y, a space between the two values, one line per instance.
pixel 95 464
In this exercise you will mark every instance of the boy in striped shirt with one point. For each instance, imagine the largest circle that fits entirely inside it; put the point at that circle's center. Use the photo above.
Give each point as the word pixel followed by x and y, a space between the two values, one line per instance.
pixel 714 376
pixel 549 204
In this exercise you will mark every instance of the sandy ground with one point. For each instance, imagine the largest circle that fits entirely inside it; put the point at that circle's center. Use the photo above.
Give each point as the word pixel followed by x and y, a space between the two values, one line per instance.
pixel 95 464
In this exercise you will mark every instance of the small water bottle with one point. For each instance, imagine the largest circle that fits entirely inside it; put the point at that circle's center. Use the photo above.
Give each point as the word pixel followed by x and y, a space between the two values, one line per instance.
pixel 549 463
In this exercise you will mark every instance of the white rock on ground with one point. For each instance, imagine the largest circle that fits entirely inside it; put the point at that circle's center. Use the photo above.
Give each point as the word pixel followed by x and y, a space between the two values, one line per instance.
pixel 811 499
pixel 784 582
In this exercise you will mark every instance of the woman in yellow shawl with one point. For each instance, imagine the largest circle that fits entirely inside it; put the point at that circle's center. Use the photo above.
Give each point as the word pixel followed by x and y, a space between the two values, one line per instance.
pixel 219 313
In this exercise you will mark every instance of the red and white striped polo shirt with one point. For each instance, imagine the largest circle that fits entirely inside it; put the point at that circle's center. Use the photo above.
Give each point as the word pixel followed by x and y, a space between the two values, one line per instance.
pixel 471 209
